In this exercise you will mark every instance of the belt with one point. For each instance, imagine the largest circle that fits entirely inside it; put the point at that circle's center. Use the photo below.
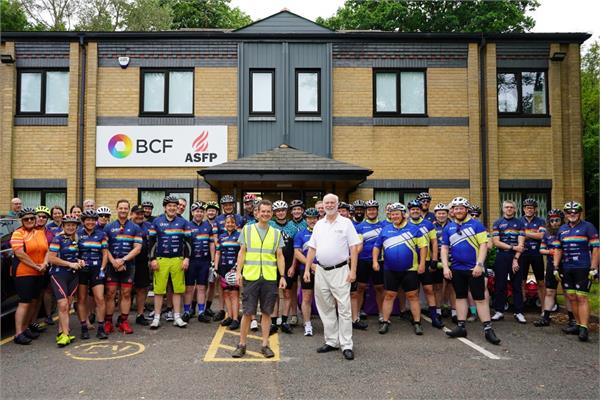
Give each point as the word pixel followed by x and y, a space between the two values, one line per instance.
pixel 329 268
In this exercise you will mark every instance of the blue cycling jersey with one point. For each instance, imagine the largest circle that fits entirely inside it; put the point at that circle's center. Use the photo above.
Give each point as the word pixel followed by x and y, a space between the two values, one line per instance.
pixel 91 246
pixel 508 230
pixel 301 242
pixel 228 248
pixel 368 231
pixel 170 236
pixel 463 241
pixel 202 235
pixel 401 246
pixel 536 225
pixel 576 243
pixel 66 249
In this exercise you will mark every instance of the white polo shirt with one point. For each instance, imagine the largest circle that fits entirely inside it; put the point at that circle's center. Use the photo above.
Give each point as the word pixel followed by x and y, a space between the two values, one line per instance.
pixel 332 240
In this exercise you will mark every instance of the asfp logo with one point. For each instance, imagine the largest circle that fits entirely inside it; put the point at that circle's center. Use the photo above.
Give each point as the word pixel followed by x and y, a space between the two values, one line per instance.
pixel 120 145
pixel 200 144
pixel 200 147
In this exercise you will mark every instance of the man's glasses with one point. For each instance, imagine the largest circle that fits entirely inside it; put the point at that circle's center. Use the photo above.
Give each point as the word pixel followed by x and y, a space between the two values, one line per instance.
pixel 104 215
pixel 572 212
pixel 28 219
pixel 552 220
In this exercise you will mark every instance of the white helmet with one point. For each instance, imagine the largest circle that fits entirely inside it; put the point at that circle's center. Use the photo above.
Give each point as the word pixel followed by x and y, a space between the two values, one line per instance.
pixel 441 207
pixel 230 277
pixel 103 210
pixel 459 201
pixel 280 205
pixel 397 207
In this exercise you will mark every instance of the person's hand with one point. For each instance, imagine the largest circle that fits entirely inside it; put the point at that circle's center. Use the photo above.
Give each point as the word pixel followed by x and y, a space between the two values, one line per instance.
pixel 375 266
pixel 282 283
pixel 519 248
pixel 154 265
pixel 185 264
pixel 447 273
pixel 551 252
pixel 74 265
pixel 515 265
pixel 120 262
pixel 477 271
pixel 351 276
pixel 421 269
pixel 81 263
pixel 306 276
pixel 291 272
pixel 238 278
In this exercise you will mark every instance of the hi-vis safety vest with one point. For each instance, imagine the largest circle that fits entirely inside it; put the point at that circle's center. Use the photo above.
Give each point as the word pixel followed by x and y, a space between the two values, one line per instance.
pixel 261 255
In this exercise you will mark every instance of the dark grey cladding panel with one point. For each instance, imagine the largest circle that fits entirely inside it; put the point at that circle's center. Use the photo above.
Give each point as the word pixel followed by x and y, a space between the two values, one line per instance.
pixel 284 22
pixel 527 49
pixel 405 54
pixel 400 63
pixel 525 183
pixel 43 62
pixel 41 121
pixel 524 121
pixel 413 121
pixel 170 62
pixel 416 183
pixel 522 63
pixel 40 183
pixel 110 183
pixel 41 50
pixel 133 121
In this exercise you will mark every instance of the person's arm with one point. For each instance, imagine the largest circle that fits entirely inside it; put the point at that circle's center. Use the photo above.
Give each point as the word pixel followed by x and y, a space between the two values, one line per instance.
pixel 217 258
pixel 375 254
pixel 298 255
pixel 25 259
pixel 557 257
pixel 281 268
pixel 104 259
pixel 310 256
pixel 434 253
pixel 422 257
pixel 501 245
pixel 213 251
pixel 240 264
pixel 479 267
pixel 353 262
pixel 447 272
pixel 55 260
pixel 518 250
pixel 595 257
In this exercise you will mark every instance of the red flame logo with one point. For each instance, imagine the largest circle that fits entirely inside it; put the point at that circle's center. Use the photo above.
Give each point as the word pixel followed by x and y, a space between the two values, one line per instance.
pixel 200 144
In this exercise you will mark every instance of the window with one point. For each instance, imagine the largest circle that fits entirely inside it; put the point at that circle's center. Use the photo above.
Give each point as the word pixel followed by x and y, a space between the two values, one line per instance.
pixel 522 93
pixel 262 92
pixel 542 197
pixel 308 91
pixel 46 197
pixel 391 196
pixel 43 92
pixel 399 93
pixel 167 92
pixel 156 196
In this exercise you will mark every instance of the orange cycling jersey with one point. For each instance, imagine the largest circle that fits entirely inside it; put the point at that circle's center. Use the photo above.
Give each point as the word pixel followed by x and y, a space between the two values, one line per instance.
pixel 35 244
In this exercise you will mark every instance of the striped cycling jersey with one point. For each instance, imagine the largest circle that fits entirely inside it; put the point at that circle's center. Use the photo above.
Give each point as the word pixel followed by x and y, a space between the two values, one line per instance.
pixel 428 230
pixel 550 242
pixel 121 238
pixel 301 242
pixel 91 246
pixel 536 225
pixel 66 249
pixel 508 230
pixel 463 241
pixel 169 237
pixel 228 248
pixel 202 235
pixel 576 243
pixel 220 222
pixel 368 231
pixel 401 245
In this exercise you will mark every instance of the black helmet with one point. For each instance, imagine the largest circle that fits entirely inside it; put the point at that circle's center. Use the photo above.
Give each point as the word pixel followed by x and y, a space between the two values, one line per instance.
pixel 359 204
pixel 344 205
pixel 170 199
pixel 474 210
pixel 197 205
pixel 88 214
pixel 423 196
pixel 530 202
pixel 147 204
pixel 296 203
pixel 71 218
pixel 555 212
pixel 413 204
pixel 227 199
pixel 26 211
pixel 372 203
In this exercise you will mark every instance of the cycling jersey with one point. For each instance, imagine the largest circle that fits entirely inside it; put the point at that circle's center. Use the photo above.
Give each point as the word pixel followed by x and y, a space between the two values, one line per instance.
pixel 288 228
pixel 249 219
pixel 220 222
pixel 439 229
pixel 228 248
pixel 54 228
pixel 401 246
pixel 549 242
pixel 301 242
pixel 121 238
pixel 508 230
pixel 299 225
pixel 202 235
pixel 66 249
pixel 536 225
pixel 35 244
pixel 288 232
pixel 576 243
pixel 91 246
pixel 463 241
pixel 429 216
pixel 368 231
pixel 428 231
pixel 169 238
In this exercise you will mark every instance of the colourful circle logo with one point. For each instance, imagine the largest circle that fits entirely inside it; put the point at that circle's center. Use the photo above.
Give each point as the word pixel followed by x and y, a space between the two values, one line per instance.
pixel 120 145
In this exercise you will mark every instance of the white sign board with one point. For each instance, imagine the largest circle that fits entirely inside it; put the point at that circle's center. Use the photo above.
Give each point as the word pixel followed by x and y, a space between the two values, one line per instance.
pixel 161 146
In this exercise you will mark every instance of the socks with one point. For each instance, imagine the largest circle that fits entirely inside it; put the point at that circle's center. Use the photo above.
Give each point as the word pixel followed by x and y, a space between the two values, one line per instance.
pixel 201 307
pixel 284 319
pixel 123 317
pixel 453 312
pixel 546 314
pixel 438 311
pixel 274 320
pixel 187 308
pixel 109 318
pixel 307 323
pixel 177 315
pixel 433 312
pixel 101 325
pixel 84 325
pixel 487 325
pixel 461 323
pixel 473 310
pixel 208 304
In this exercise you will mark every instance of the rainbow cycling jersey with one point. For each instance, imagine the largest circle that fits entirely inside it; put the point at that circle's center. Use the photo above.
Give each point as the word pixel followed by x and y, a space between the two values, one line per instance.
pixel 121 238
pixel 170 238
pixel 220 222
pixel 536 225
pixel 229 247
pixel 66 249
pixel 91 246
pixel 576 243
pixel 508 230
pixel 202 235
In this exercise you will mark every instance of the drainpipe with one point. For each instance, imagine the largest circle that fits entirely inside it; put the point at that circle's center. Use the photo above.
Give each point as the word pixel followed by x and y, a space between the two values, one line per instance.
pixel 82 67
pixel 483 134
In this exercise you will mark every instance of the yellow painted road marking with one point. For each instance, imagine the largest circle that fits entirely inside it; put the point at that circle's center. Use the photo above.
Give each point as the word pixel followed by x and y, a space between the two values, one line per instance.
pixel 251 356
pixel 97 351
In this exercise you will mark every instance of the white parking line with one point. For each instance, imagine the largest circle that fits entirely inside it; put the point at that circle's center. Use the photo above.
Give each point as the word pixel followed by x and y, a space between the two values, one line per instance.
pixel 472 345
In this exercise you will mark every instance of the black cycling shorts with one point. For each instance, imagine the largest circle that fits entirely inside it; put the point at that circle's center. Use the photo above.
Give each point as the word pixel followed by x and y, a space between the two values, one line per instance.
pixel 64 284
pixel 29 288
pixel 576 280
pixel 536 261
pixel 366 274
pixel 550 280
pixel 289 282
pixel 464 281
pixel 307 285
pixel 120 278
pixel 197 272
pixel 141 276
pixel 394 280
pixel 90 276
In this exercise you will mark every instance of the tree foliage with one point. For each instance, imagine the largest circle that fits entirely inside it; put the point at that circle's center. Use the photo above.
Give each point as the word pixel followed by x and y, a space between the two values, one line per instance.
pixel 51 15
pixel 590 105
pixel 12 17
pixel 433 16
pixel 207 14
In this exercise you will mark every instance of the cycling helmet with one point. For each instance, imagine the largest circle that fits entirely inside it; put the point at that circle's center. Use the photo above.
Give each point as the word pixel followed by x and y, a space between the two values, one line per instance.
pixel 423 196
pixel 104 210
pixel 26 211
pixel 530 202
pixel 413 204
pixel 344 205
pixel 372 203
pixel 256 202
pixel 296 203
pixel 359 204
pixel 147 204
pixel 170 199
pixel 459 201
pixel 280 205
pixel 230 277
pixel 351 208
pixel 212 204
pixel 555 212
pixel 198 205
pixel 227 199
pixel 441 207
pixel 248 198
pixel 311 212
pixel 397 207
pixel 474 210
pixel 71 218
pixel 573 206
pixel 42 209
pixel 88 214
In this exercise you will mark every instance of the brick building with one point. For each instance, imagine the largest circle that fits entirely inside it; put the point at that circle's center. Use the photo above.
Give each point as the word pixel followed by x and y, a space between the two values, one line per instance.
pixel 287 108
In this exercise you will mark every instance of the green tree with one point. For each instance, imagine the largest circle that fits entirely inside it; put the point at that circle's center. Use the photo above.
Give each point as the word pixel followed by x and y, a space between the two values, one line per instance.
pixel 590 104
pixel 433 16
pixel 103 15
pixel 12 17
pixel 148 15
pixel 51 15
pixel 207 14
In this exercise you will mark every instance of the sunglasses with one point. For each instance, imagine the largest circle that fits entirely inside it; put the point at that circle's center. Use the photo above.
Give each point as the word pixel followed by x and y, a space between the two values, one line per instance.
pixel 28 219
pixel 104 215
pixel 572 212
pixel 554 220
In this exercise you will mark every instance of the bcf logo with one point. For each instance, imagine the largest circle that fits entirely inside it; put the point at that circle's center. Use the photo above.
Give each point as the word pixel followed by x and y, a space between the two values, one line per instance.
pixel 121 145
pixel 200 147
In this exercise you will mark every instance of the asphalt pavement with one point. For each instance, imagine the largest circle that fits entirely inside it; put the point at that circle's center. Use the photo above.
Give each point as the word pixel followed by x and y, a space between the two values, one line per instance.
pixel 195 363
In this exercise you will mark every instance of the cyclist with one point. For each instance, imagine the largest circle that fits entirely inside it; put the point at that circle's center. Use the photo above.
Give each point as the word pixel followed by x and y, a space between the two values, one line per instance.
pixel 181 206
pixel 148 207
pixel 249 208
pixel 464 241
pixel 93 250
pixel 56 213
pixel 508 235
pixel 169 257
pixel 228 205
pixel 474 211
pixel 64 257
pixel 431 274
pixel 578 249
pixel 212 211
pixel 226 263
pixel 124 244
pixel 344 210
pixel 424 199
pixel 141 278
pixel 359 211
pixel 203 255
pixel 104 214
pixel 297 208
pixel 76 210
pixel 441 211
pixel 405 252
pixel 534 233
pixel 42 215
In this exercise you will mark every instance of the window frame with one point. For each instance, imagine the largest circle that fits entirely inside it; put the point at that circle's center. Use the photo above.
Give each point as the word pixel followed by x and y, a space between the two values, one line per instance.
pixel 166 72
pixel 310 71
pixel 42 112
pixel 165 193
pixel 43 194
pixel 526 193
pixel 519 82
pixel 398 113
pixel 252 113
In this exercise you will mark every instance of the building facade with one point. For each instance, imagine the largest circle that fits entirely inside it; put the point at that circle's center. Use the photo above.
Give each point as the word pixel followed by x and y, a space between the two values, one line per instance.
pixel 287 108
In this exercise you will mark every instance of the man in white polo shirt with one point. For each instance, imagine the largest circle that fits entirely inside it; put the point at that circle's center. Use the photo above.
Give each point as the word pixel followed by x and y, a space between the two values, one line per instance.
pixel 333 240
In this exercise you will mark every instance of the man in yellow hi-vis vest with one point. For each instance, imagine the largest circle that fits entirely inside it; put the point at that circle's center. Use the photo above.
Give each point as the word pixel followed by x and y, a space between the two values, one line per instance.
pixel 259 260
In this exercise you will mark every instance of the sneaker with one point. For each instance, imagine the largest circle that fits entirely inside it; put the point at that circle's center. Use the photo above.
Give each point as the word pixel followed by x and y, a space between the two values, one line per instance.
pixel 179 322
pixel 202 317
pixel 239 351
pixel 209 312
pixel 358 324
pixel 286 328
pixel 155 323
pixel 293 321
pixel 219 316
pixel 362 315
pixel 541 322
pixel 571 329
pixel 141 320
pixel 226 322
pixel 71 338
pixel 125 328
pixel 100 334
pixel 274 329
pixel 491 337
pixel 554 308
pixel 583 334
pixel 49 320
pixel 30 334
pixel 418 328
pixel 308 331
pixel 22 339
pixel 169 315
pixel 457 331
pixel 235 324
pixel 62 340
pixel 254 325
pixel 520 318
pixel 85 333
pixel 384 327
pixel 108 327
pixel 437 322
pixel 151 315
pixel 37 328
pixel 380 320
pixel 267 352
pixel 497 316
pixel 186 316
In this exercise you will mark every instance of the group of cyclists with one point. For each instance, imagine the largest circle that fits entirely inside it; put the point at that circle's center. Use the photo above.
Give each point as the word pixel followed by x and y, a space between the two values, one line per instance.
pixel 101 261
